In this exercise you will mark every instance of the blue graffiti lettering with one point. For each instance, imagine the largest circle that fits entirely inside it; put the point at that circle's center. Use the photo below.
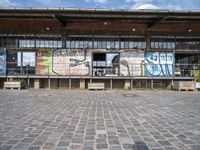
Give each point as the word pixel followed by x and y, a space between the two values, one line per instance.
pixel 159 64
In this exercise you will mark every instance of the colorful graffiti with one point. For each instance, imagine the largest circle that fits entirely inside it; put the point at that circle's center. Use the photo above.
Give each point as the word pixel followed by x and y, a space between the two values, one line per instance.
pixel 159 64
pixel 130 62
pixel 44 62
pixel 63 62
pixel 78 62
pixel 71 62
pixel 2 61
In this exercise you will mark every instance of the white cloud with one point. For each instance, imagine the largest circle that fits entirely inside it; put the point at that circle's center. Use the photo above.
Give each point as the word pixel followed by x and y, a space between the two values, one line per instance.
pixel 147 6
pixel 143 4
pixel 152 4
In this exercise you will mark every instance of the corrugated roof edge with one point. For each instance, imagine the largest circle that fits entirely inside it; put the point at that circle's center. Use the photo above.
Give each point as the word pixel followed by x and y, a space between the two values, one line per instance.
pixel 99 9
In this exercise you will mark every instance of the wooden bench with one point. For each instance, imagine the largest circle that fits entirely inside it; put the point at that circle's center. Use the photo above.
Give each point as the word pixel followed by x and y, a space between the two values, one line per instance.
pixel 96 86
pixel 12 85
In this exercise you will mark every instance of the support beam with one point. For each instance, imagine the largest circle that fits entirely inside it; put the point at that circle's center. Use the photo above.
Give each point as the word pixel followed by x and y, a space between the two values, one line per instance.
pixel 152 84
pixel 82 84
pixel 150 25
pixel 70 84
pixel 148 40
pixel 59 20
pixel 172 84
pixel 127 84
pixel 49 83
pixel 28 82
pixel 36 84
pixel 131 84
pixel 111 84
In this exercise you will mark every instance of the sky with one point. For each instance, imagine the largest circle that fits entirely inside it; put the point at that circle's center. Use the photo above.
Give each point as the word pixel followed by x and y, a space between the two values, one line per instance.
pixel 107 4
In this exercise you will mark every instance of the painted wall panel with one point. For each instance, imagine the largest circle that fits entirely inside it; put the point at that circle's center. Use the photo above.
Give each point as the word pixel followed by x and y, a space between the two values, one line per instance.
pixel 2 61
pixel 44 62
pixel 79 61
pixel 63 62
pixel 159 64
pixel 71 62
pixel 131 62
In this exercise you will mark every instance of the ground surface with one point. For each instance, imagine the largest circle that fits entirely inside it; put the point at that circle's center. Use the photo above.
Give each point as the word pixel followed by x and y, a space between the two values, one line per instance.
pixel 54 119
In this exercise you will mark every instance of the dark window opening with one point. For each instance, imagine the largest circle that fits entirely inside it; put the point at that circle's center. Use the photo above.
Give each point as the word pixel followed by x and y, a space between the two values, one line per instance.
pixel 186 64
pixel 105 64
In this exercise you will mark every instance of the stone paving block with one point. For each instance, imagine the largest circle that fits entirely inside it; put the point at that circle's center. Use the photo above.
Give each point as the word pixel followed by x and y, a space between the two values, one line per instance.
pixel 77 140
pixel 6 147
pixel 101 146
pixel 114 147
pixel 63 143
pixel 21 146
pixel 75 146
pixel 49 146
pixel 12 142
pixel 60 148
pixel 34 148
pixel 195 147
pixel 164 143
pixel 27 140
pixel 129 146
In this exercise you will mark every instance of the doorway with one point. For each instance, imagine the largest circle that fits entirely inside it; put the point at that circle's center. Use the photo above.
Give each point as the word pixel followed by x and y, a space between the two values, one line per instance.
pixel 106 64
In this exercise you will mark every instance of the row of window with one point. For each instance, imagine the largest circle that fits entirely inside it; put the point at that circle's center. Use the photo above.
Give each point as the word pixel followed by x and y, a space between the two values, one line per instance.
pixel 40 43
pixel 175 43
pixel 125 43
pixel 107 44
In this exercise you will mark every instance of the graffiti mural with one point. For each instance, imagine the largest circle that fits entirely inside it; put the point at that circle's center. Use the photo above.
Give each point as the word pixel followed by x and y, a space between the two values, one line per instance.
pixel 78 62
pixel 44 62
pixel 159 64
pixel 63 62
pixel 71 62
pixel 131 62
pixel 2 61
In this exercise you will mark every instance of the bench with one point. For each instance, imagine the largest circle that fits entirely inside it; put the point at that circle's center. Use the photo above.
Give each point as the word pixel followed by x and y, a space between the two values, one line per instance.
pixel 12 85
pixel 96 86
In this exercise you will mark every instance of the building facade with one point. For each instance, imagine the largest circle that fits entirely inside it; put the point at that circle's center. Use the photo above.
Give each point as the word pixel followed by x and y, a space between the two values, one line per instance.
pixel 68 48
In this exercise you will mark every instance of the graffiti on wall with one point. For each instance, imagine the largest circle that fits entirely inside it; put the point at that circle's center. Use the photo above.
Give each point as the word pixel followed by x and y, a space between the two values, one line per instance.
pixel 159 64
pixel 130 62
pixel 78 62
pixel 63 62
pixel 44 62
pixel 71 62
pixel 2 61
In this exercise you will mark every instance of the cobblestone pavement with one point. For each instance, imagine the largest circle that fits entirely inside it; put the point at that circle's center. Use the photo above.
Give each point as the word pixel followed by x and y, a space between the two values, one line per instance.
pixel 136 120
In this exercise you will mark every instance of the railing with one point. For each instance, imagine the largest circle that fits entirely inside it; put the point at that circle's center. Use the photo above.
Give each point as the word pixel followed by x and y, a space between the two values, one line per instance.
pixel 115 70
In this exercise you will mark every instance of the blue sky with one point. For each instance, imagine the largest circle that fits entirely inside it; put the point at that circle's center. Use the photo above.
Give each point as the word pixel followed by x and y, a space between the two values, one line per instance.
pixel 113 4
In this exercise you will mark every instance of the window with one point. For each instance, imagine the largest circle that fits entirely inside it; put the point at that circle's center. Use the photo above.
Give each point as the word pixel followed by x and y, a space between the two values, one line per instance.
pixel 26 59
pixel 162 42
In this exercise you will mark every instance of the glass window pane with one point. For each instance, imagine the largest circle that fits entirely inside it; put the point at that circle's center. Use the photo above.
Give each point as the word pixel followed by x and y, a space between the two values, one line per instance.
pixel 29 59
pixel 19 59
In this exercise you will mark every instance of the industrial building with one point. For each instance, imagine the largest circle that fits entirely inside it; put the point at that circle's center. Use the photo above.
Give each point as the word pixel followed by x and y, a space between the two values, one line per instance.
pixel 69 48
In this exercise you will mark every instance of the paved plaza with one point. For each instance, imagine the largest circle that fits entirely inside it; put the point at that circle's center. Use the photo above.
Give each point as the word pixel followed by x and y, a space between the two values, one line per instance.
pixel 114 120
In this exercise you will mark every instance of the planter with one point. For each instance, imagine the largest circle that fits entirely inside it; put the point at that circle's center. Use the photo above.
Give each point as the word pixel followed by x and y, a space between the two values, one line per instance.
pixel 12 85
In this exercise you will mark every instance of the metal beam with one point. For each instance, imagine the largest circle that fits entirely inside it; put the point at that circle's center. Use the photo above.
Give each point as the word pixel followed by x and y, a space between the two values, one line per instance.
pixel 150 25
pixel 59 20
